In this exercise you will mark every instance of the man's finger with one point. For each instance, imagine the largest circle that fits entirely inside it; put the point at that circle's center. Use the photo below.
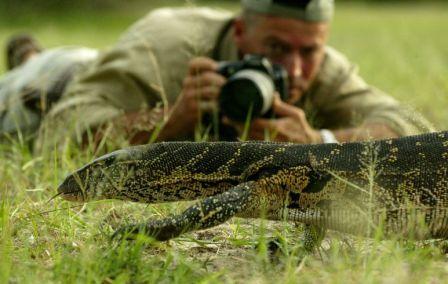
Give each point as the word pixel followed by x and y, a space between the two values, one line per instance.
pixel 208 78
pixel 200 64
pixel 209 93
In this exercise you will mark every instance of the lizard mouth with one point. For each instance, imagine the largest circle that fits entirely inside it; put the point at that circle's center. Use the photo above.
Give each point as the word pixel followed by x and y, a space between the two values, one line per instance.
pixel 71 189
pixel 72 197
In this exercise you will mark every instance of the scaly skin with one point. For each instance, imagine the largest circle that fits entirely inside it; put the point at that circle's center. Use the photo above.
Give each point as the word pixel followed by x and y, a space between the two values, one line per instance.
pixel 400 184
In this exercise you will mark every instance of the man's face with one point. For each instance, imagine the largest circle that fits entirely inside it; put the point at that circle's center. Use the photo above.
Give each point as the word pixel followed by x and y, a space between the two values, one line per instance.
pixel 296 45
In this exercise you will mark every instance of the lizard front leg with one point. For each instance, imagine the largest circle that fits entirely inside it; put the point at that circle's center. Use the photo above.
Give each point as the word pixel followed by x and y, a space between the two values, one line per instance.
pixel 207 213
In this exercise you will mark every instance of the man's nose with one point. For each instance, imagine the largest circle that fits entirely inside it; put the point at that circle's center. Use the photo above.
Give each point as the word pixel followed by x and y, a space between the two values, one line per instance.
pixel 293 66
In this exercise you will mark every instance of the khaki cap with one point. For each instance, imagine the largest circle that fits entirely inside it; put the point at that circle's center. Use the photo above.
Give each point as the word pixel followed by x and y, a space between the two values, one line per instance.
pixel 307 10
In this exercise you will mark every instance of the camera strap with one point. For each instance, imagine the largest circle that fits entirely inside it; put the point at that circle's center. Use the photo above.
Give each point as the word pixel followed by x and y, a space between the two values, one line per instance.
pixel 216 53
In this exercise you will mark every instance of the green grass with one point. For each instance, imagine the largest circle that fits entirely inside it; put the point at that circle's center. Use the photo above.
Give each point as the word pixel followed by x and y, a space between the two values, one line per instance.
pixel 402 50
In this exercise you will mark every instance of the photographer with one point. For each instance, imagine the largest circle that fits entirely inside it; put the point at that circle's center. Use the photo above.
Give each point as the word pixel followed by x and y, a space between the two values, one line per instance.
pixel 164 72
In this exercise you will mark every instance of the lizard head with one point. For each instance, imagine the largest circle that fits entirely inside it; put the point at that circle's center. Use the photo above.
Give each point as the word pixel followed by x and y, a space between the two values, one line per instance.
pixel 103 178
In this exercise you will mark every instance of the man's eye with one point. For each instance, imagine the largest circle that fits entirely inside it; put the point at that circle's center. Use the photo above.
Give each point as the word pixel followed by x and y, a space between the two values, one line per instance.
pixel 276 50
pixel 307 52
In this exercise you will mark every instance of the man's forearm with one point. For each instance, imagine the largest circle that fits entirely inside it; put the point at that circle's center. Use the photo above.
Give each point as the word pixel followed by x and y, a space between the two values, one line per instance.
pixel 141 126
pixel 136 127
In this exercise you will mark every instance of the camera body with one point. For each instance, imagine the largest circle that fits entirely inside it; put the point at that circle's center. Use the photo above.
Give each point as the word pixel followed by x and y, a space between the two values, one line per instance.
pixel 250 88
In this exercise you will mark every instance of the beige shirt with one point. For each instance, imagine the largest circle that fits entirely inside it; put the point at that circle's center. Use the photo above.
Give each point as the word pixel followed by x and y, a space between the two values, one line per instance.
pixel 146 68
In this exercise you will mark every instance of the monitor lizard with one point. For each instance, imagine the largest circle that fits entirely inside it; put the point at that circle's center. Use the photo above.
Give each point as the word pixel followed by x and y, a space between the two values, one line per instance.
pixel 398 185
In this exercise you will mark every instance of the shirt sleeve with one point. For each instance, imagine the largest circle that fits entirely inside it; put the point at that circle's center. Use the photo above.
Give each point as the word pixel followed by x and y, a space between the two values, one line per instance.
pixel 123 79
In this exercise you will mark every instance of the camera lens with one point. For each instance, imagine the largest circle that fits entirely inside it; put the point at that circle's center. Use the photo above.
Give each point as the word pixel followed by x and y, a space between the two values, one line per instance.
pixel 248 90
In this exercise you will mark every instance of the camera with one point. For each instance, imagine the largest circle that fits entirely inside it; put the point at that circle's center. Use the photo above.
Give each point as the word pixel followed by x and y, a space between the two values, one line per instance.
pixel 250 88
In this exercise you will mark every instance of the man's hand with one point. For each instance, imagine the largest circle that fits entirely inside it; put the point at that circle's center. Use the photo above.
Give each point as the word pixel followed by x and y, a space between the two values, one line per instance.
pixel 200 91
pixel 290 125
